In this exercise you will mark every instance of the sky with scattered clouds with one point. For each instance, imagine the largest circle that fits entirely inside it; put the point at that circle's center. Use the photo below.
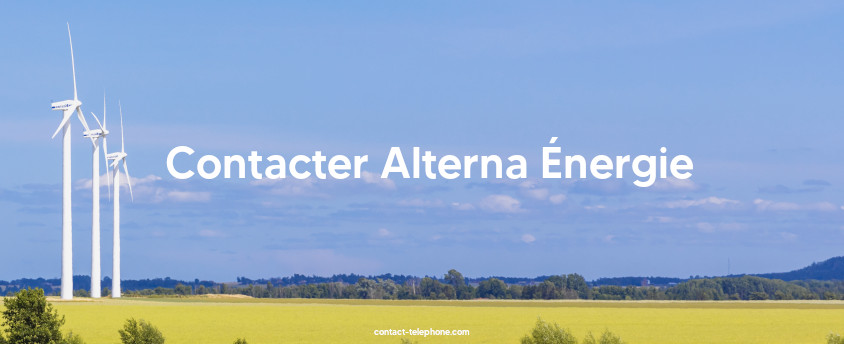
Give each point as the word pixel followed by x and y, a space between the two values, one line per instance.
pixel 750 91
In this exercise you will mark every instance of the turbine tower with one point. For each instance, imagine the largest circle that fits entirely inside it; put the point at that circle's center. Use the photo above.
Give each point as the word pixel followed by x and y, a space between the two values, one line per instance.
pixel 95 135
pixel 117 158
pixel 68 107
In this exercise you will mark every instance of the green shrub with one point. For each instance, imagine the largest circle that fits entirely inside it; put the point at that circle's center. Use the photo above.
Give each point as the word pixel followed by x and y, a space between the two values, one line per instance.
pixel 30 319
pixel 71 338
pixel 140 332
pixel 240 341
pixel 834 338
pixel 606 338
pixel 546 333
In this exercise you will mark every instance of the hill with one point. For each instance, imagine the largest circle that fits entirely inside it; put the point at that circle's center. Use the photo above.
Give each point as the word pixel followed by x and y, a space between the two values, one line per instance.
pixel 830 269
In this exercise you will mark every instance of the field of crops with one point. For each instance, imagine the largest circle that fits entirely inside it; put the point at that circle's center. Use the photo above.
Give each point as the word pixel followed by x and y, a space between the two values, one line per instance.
pixel 353 321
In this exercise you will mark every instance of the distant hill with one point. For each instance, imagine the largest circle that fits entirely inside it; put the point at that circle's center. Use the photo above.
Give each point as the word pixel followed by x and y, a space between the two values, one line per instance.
pixel 830 269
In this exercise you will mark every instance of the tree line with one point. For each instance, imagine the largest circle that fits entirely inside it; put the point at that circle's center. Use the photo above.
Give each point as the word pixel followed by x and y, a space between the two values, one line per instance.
pixel 454 286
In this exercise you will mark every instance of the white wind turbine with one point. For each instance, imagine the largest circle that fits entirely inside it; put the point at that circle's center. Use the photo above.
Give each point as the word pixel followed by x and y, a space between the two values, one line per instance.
pixel 116 158
pixel 68 107
pixel 95 136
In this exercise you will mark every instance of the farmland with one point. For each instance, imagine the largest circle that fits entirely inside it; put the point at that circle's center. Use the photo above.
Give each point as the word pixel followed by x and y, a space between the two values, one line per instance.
pixel 221 320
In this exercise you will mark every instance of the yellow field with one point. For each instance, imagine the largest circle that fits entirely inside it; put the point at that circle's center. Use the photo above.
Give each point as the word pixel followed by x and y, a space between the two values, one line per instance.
pixel 353 321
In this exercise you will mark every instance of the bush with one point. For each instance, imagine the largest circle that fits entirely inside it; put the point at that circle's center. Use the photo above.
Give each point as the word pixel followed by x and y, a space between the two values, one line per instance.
pixel 140 332
pixel 71 338
pixel 240 341
pixel 545 333
pixel 30 319
pixel 606 338
pixel 834 338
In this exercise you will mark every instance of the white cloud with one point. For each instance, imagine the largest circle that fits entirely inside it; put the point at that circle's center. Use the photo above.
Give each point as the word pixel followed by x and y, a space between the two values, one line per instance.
pixel 420 203
pixel 659 219
pixel 674 184
pixel 767 205
pixel 821 206
pixel 500 204
pixel 107 179
pixel 788 236
pixel 290 187
pixel 528 184
pixel 383 232
pixel 711 201
pixel 147 189
pixel 183 196
pixel 708 227
pixel 540 194
pixel 528 188
pixel 313 187
pixel 557 199
pixel 375 179
pixel 462 206
pixel 608 238
pixel 528 238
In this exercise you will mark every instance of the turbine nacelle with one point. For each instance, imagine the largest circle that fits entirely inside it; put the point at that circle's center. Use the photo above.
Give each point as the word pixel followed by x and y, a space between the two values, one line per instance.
pixel 67 105
pixel 95 133
pixel 116 156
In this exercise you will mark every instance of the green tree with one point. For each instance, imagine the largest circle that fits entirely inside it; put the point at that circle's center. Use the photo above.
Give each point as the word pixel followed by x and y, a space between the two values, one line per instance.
pixel 606 338
pixel 140 332
pixel 578 283
pixel 30 319
pixel 71 338
pixel 834 338
pixel 240 341
pixel 182 289
pixel 456 279
pixel 492 288
pixel 547 333
pixel 758 295
pixel 366 288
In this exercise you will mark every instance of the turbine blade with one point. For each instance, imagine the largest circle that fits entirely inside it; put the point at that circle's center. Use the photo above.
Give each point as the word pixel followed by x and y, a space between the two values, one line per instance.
pixel 104 112
pixel 72 63
pixel 122 143
pixel 128 178
pixel 105 157
pixel 64 121
pixel 82 118
pixel 98 121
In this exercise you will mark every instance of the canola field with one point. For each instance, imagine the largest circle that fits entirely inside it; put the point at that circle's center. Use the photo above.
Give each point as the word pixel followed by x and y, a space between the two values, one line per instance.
pixel 211 320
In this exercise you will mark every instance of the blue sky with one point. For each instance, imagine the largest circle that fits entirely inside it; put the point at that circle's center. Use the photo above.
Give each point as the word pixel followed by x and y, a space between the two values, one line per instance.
pixel 751 91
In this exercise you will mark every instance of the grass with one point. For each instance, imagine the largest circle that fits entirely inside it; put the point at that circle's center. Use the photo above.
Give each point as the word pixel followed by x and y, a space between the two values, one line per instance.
pixel 207 320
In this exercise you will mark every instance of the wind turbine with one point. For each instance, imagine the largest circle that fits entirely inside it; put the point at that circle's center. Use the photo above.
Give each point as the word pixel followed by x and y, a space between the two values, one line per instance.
pixel 68 107
pixel 116 159
pixel 95 135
